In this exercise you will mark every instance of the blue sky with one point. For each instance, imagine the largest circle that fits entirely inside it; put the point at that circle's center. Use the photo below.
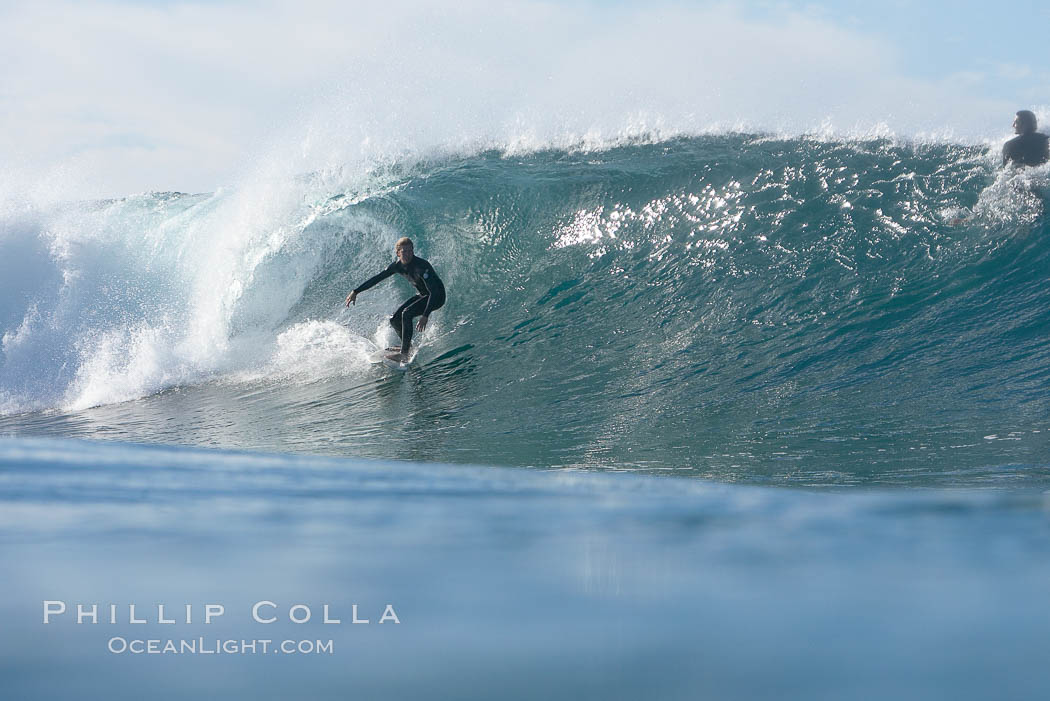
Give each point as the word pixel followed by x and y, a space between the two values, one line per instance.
pixel 935 38
pixel 105 98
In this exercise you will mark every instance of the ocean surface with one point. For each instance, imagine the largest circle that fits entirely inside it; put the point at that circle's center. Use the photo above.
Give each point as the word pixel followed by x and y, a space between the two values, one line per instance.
pixel 724 416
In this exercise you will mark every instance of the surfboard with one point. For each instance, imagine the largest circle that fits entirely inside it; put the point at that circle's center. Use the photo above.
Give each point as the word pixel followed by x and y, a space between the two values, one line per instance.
pixel 380 355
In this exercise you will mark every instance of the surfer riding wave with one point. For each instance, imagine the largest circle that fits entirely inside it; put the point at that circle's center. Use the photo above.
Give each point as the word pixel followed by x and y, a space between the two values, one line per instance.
pixel 431 294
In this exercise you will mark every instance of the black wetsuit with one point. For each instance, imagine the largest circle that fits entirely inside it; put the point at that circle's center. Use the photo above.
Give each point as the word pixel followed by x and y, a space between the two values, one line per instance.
pixel 1031 149
pixel 431 295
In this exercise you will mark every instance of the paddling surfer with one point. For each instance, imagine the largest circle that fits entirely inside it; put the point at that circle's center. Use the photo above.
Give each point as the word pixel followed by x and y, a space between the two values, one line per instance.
pixel 1029 147
pixel 431 294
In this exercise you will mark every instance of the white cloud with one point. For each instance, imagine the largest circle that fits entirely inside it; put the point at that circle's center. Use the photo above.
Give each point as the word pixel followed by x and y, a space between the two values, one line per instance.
pixel 107 98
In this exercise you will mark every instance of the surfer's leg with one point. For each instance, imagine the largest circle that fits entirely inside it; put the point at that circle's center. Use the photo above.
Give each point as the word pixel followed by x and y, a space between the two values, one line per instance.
pixel 408 315
pixel 396 320
pixel 402 322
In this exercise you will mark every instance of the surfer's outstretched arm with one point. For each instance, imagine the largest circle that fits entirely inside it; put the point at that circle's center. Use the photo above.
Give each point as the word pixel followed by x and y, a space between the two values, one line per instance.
pixel 352 297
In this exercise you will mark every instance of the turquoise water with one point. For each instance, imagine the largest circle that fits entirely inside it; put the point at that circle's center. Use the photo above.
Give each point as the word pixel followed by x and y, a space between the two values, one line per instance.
pixel 824 363
pixel 747 309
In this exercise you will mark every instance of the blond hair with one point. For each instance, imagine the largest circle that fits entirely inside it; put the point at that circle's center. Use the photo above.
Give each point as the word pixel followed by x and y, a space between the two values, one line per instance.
pixel 402 241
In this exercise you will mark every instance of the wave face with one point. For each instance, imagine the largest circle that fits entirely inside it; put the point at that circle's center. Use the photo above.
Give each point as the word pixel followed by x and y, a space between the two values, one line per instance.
pixel 740 307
